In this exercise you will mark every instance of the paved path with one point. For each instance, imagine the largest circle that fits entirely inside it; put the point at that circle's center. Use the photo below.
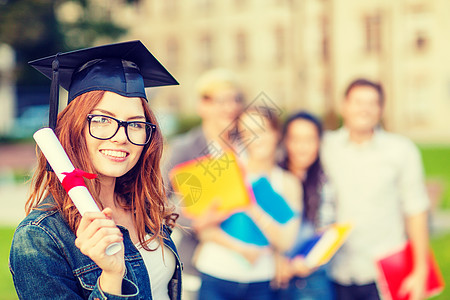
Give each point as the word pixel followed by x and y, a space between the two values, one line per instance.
pixel 20 159
pixel 12 203
pixel 17 157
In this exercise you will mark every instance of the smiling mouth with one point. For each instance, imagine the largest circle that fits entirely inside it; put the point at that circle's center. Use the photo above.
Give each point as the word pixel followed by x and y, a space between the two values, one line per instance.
pixel 115 154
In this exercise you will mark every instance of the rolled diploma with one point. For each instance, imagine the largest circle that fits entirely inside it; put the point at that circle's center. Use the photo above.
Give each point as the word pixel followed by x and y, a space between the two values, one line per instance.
pixel 60 162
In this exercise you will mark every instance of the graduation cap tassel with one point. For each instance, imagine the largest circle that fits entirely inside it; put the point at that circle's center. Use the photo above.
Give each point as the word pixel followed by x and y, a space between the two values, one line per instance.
pixel 54 99
pixel 54 94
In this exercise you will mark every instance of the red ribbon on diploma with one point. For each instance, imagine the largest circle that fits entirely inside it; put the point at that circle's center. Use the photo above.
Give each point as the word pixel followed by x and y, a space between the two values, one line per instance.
pixel 75 178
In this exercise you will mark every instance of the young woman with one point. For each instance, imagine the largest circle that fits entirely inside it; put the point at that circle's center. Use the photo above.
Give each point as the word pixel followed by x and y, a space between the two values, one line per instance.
pixel 107 129
pixel 301 140
pixel 230 268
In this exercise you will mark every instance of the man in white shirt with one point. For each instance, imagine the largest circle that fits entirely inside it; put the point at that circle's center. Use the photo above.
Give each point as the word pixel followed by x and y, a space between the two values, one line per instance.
pixel 379 185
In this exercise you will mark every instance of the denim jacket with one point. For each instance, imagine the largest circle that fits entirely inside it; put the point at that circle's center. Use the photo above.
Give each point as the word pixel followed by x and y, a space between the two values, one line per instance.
pixel 46 264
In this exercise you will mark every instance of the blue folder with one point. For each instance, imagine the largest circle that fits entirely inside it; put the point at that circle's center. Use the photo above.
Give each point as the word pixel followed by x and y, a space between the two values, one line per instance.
pixel 303 248
pixel 272 202
pixel 242 227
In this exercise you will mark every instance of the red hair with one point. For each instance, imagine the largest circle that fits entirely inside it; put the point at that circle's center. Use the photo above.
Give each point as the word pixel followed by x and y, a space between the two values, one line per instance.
pixel 141 189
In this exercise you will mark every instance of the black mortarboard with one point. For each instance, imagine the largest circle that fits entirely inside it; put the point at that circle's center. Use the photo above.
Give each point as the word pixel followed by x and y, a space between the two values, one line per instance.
pixel 123 68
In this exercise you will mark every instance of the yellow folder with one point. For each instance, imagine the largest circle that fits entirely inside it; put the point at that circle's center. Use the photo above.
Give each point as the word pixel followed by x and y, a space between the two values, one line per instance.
pixel 210 181
pixel 330 241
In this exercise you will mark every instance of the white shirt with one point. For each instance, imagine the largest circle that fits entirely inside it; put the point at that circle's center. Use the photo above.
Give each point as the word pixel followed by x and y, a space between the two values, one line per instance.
pixel 377 184
pixel 160 268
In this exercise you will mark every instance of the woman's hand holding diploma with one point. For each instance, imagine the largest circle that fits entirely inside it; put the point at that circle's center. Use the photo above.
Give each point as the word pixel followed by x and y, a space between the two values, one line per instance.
pixel 95 233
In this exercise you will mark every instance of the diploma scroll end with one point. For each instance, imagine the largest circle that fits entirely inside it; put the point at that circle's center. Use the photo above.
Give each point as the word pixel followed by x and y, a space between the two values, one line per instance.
pixel 113 248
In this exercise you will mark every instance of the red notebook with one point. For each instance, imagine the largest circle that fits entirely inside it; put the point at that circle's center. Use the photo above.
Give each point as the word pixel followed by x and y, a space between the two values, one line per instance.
pixel 394 268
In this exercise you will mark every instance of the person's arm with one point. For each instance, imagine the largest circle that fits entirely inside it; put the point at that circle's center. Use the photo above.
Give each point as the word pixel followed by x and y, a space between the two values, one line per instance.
pixel 94 234
pixel 287 268
pixel 283 272
pixel 415 204
pixel 281 236
pixel 417 230
pixel 40 269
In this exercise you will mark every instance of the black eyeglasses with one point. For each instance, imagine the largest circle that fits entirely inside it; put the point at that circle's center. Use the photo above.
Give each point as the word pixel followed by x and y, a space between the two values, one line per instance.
pixel 105 127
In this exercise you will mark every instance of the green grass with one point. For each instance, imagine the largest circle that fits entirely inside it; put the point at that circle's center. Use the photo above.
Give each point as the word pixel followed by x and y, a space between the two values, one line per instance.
pixel 7 290
pixel 436 160
pixel 441 246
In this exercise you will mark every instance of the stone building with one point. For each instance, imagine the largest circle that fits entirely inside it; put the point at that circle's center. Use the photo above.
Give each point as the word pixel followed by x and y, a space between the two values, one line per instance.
pixel 303 53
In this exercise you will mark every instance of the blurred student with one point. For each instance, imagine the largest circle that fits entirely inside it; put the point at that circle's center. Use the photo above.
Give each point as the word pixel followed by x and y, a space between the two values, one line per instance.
pixel 301 138
pixel 379 185
pixel 231 269
pixel 220 103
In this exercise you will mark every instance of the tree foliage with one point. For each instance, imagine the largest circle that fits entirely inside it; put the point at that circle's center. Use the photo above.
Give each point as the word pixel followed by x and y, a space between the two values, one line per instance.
pixel 32 28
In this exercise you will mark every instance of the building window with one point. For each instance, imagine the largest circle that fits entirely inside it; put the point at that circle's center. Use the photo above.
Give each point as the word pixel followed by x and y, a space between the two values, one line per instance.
pixel 241 48
pixel 419 22
pixel 280 45
pixel 172 53
pixel 421 41
pixel 325 39
pixel 205 52
pixel 372 25
pixel 239 4
pixel 418 105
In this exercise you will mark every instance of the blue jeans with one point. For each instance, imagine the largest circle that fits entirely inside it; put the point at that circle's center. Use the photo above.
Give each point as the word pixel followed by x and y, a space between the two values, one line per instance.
pixel 219 289
pixel 357 292
pixel 316 286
